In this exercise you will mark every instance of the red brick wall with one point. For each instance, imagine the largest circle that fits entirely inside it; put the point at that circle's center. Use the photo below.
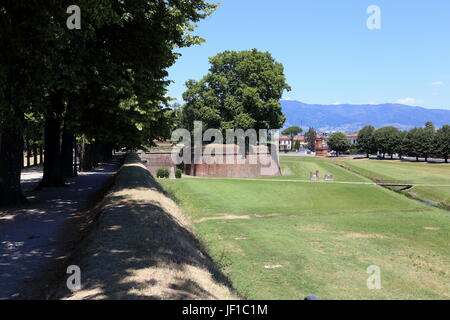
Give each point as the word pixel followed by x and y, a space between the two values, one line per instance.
pixel 249 167
pixel 156 161
pixel 246 168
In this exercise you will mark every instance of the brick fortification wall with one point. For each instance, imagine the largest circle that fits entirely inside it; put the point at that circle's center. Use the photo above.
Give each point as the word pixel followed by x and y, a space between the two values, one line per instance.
pixel 232 164
pixel 218 165
pixel 154 161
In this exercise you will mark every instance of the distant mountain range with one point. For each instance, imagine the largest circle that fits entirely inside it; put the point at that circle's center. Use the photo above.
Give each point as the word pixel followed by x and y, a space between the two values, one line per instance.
pixel 351 118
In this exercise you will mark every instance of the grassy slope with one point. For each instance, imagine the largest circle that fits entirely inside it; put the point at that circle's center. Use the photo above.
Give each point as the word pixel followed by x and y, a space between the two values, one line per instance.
pixel 295 168
pixel 142 247
pixel 328 237
pixel 409 172
pixel 397 171
pixel 217 197
pixel 328 256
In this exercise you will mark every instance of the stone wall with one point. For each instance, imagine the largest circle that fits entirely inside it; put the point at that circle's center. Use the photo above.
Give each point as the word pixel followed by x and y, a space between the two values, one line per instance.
pixel 154 161
pixel 228 163
pixel 232 166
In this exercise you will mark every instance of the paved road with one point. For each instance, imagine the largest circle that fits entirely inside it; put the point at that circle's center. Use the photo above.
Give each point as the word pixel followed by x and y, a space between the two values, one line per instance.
pixel 35 238
pixel 30 177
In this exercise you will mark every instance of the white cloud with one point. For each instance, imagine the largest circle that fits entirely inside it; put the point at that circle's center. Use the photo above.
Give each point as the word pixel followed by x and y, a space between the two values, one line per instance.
pixel 289 99
pixel 337 103
pixel 409 101
pixel 437 83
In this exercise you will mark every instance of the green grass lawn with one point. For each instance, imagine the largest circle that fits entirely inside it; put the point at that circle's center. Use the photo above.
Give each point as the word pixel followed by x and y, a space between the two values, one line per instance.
pixel 408 172
pixel 299 168
pixel 219 197
pixel 319 237
pixel 399 171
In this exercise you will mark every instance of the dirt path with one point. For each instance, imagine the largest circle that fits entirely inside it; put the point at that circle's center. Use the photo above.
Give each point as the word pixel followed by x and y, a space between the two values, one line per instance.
pixel 30 177
pixel 34 238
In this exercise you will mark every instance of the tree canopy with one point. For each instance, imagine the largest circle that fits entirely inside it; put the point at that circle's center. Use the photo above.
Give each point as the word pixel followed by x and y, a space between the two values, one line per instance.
pixel 310 139
pixel 386 140
pixel 364 140
pixel 417 142
pixel 103 85
pixel 241 90
pixel 338 142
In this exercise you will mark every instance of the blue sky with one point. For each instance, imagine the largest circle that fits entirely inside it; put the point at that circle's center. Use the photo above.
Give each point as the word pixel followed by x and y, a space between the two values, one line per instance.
pixel 329 54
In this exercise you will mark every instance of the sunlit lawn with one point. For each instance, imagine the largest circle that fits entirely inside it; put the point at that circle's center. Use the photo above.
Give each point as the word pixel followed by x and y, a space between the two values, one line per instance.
pixel 318 238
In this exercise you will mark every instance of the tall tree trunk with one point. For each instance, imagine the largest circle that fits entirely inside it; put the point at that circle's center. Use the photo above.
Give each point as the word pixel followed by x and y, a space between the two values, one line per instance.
pixel 35 155
pixel 53 176
pixel 75 164
pixel 86 156
pixel 11 160
pixel 417 159
pixel 27 144
pixel 446 159
pixel 41 155
pixel 67 153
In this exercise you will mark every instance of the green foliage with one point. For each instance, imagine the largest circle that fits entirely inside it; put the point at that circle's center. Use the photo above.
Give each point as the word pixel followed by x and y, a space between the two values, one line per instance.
pixel 412 142
pixel 386 140
pixel 365 141
pixel 178 173
pixel 428 139
pixel 338 142
pixel 106 81
pixel 296 145
pixel 417 142
pixel 292 131
pixel 242 90
pixel 310 139
pixel 442 142
pixel 162 173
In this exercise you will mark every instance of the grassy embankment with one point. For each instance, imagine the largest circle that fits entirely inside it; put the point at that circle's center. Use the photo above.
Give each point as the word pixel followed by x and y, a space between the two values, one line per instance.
pixel 142 247
pixel 286 240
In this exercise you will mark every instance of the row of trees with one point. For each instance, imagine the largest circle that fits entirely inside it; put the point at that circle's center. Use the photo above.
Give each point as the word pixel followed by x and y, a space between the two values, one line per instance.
pixel 101 86
pixel 418 142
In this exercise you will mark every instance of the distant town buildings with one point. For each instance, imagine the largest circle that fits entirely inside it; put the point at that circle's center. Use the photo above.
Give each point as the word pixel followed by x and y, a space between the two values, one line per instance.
pixel 285 142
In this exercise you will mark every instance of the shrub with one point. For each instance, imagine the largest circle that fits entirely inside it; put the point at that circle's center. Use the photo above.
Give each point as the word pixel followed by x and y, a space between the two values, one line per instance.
pixel 178 174
pixel 162 173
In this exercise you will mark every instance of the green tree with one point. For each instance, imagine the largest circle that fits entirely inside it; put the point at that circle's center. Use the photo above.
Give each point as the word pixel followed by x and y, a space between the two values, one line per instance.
pixel 310 139
pixel 442 142
pixel 292 132
pixel 428 140
pixel 387 140
pixel 242 90
pixel 412 143
pixel 365 142
pixel 22 30
pixel 113 69
pixel 338 142
pixel 401 149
